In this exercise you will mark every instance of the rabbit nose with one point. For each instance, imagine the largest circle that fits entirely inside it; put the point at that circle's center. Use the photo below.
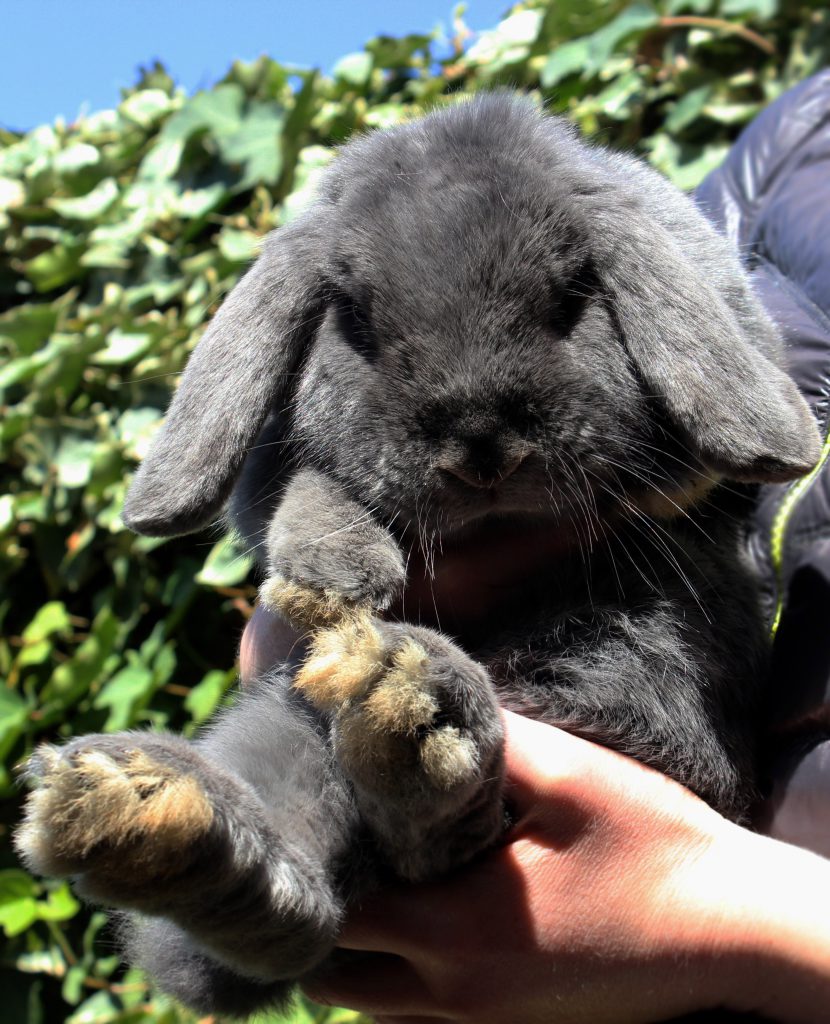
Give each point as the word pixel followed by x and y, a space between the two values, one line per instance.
pixel 468 474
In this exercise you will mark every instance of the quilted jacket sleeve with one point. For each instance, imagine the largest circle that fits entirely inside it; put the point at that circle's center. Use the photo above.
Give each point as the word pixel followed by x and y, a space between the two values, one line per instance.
pixel 772 198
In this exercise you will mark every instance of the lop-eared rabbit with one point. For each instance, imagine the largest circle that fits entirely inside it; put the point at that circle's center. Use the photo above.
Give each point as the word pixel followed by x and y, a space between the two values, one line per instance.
pixel 484 334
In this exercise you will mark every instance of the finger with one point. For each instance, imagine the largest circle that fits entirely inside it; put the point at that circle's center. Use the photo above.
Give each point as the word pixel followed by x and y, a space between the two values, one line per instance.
pixel 540 760
pixel 408 1020
pixel 268 640
pixel 430 923
pixel 374 985
pixel 397 919
pixel 562 783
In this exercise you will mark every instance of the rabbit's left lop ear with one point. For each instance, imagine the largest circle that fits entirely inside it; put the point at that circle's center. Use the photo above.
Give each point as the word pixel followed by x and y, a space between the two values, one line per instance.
pixel 238 372
pixel 742 415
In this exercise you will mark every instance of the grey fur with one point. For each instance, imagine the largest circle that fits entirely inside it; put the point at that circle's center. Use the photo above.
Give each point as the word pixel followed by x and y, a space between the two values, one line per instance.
pixel 304 543
pixel 480 312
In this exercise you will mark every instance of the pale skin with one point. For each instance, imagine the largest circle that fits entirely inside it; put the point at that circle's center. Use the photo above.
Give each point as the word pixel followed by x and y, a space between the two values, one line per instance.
pixel 618 896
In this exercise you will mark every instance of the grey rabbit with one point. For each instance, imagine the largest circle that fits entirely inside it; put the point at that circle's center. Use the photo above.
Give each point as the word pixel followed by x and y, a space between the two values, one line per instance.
pixel 484 331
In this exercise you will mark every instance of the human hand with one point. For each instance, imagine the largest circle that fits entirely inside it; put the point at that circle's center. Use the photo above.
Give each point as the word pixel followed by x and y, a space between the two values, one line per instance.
pixel 619 896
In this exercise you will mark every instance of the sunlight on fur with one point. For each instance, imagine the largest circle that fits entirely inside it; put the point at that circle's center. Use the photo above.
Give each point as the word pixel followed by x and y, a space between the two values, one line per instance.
pixel 343 663
pixel 90 799
pixel 448 758
pixel 302 605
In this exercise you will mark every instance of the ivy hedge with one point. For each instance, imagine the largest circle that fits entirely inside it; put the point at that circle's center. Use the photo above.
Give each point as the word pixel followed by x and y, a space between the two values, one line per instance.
pixel 121 233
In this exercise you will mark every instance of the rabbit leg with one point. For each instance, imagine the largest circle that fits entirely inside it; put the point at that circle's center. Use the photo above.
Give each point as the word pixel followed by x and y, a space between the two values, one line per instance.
pixel 417 730
pixel 149 823
pixel 177 965
pixel 326 554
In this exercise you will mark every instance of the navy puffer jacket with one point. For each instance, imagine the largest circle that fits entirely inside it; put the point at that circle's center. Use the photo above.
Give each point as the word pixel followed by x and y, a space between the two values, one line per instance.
pixel 772 198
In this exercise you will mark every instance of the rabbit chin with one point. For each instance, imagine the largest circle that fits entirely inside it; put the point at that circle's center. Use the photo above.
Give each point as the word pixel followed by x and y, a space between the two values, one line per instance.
pixel 460 579
pixel 496 537
pixel 504 511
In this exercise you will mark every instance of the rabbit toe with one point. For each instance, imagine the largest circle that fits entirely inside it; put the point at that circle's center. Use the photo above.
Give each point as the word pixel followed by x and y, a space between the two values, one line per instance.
pixel 343 662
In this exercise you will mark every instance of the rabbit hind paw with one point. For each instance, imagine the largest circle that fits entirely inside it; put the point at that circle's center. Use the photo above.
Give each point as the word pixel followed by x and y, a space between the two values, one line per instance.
pixel 387 694
pixel 106 806
pixel 343 663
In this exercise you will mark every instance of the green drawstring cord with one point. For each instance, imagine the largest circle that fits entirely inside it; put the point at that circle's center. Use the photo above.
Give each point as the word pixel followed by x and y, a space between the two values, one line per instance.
pixel 780 523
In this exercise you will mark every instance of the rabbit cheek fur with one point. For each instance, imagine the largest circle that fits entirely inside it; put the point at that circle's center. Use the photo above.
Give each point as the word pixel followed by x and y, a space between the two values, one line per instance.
pixel 484 338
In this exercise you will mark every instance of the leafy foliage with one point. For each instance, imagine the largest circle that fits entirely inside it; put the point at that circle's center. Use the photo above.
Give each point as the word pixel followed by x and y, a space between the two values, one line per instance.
pixel 121 233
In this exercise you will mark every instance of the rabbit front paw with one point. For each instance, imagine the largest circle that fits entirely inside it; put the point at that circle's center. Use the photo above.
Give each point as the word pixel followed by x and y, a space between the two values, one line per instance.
pixel 304 605
pixel 314 594
pixel 327 556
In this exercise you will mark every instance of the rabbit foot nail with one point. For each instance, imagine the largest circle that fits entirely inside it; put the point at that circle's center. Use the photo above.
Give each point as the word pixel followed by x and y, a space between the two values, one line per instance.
pixel 109 807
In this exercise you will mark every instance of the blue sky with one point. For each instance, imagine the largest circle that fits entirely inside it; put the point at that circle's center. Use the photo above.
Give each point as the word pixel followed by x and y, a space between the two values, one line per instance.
pixel 58 57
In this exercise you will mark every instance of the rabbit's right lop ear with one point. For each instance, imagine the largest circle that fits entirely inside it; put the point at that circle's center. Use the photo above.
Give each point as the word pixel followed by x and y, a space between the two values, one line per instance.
pixel 742 415
pixel 238 372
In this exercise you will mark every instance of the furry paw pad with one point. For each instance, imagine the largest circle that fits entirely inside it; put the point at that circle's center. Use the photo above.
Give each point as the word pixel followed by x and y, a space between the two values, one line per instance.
pixel 115 809
pixel 394 694
pixel 304 606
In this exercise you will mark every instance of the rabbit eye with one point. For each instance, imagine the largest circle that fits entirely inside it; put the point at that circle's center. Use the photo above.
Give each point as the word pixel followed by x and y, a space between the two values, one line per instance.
pixel 570 299
pixel 355 326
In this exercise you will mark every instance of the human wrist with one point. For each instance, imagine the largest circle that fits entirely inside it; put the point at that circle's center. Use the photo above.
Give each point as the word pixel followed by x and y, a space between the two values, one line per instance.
pixel 770 948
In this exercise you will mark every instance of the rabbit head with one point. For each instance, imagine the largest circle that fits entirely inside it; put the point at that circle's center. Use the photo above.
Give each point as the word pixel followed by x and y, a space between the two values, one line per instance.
pixel 482 316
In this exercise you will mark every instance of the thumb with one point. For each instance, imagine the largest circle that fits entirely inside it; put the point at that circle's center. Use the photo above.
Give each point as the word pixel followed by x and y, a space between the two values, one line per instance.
pixel 546 767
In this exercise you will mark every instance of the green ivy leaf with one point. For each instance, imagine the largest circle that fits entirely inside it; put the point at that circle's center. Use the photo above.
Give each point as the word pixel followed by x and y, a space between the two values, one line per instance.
pixel 227 564
pixel 28 326
pixel 194 203
pixel 136 429
pixel 18 901
pixel 74 459
pixel 239 246
pixel 255 146
pixel 42 961
pixel 55 267
pixel 633 20
pixel 688 108
pixel 124 347
pixel 509 42
pixel 14 719
pixel 206 696
pixel 614 99
pixel 50 618
pixel 218 112
pixel 126 694
pixel 90 206
pixel 101 1008
pixel 59 905
pixel 76 157
pixel 567 59
pixel 73 989
pixel 390 52
pixel 354 68
pixel 763 10
pixel 74 677
pixel 147 106
pixel 12 194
